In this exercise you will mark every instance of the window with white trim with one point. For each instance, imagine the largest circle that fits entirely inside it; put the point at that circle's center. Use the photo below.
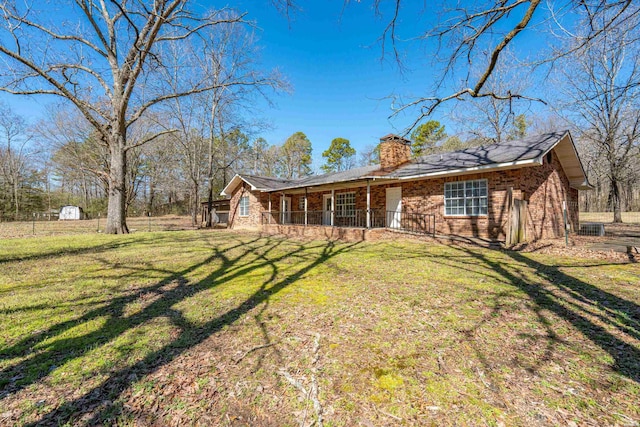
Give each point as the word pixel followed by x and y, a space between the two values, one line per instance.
pixel 301 203
pixel 468 198
pixel 244 206
pixel 346 205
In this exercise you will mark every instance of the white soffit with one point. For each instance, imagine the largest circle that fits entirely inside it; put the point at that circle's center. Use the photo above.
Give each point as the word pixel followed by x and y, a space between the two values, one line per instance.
pixel 568 157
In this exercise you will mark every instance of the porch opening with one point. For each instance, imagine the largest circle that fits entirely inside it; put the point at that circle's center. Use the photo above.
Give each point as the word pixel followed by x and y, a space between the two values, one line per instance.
pixel 356 218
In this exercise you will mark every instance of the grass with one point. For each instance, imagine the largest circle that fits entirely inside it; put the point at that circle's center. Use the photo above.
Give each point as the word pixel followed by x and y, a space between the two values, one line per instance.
pixel 197 327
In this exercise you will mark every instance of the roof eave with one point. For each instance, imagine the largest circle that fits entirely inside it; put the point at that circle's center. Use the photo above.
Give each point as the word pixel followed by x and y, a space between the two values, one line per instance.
pixel 584 183
pixel 228 190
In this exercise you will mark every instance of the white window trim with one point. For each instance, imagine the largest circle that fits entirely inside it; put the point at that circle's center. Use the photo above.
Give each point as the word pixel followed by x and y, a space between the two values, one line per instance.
pixel 240 206
pixel 341 205
pixel 465 215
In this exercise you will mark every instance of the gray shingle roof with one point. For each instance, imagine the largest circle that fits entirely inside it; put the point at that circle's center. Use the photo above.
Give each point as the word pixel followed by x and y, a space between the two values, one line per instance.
pixel 334 177
pixel 486 156
pixel 528 148
pixel 266 183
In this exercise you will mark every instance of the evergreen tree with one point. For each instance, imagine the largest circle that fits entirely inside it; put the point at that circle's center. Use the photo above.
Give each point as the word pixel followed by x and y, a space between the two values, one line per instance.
pixel 340 156
pixel 426 137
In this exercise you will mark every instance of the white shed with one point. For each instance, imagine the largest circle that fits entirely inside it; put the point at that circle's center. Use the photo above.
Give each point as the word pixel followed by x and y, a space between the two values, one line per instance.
pixel 71 213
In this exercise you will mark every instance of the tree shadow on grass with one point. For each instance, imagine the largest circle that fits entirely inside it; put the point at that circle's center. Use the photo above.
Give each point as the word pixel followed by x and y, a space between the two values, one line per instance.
pixel 95 403
pixel 63 350
pixel 114 309
pixel 577 302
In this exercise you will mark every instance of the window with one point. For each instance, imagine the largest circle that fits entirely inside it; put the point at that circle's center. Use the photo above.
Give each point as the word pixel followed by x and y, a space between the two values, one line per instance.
pixel 244 206
pixel 345 205
pixel 465 198
pixel 301 203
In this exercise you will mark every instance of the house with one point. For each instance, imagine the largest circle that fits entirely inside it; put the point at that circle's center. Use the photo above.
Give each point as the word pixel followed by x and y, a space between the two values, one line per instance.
pixel 513 191
pixel 71 213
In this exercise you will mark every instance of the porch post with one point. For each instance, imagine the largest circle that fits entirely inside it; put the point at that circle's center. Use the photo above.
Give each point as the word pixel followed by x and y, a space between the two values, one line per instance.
pixel 305 206
pixel 368 204
pixel 333 206
pixel 282 209
pixel 269 208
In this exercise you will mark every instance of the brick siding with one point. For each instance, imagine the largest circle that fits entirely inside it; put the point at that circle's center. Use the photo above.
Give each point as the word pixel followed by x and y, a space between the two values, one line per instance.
pixel 544 187
pixel 258 203
pixel 394 152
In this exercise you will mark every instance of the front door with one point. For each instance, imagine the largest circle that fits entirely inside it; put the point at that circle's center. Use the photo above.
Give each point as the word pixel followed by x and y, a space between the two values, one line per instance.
pixel 394 206
pixel 326 209
pixel 285 207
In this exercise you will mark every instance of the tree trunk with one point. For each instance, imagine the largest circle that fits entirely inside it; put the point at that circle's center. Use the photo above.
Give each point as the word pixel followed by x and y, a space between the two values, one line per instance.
pixel 208 223
pixel 209 204
pixel 152 193
pixel 116 217
pixel 85 190
pixel 15 195
pixel 195 202
pixel 614 201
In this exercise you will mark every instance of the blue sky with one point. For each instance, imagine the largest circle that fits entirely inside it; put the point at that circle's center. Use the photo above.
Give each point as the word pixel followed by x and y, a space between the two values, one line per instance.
pixel 331 56
pixel 341 85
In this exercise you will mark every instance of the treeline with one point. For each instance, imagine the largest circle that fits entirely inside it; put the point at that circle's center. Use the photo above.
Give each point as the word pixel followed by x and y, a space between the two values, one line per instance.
pixel 59 161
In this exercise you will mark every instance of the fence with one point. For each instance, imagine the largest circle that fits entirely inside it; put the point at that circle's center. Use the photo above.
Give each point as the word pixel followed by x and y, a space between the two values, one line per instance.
pixel 411 222
pixel 598 231
pixel 42 226
pixel 404 221
pixel 600 224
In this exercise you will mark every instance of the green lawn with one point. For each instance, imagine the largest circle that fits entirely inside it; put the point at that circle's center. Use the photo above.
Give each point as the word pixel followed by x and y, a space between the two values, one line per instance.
pixel 221 328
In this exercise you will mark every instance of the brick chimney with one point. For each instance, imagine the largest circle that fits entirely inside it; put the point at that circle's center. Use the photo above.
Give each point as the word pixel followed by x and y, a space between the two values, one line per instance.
pixel 394 151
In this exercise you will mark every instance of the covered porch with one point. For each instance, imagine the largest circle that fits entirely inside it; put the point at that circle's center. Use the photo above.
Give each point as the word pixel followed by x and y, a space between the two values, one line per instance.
pixel 357 206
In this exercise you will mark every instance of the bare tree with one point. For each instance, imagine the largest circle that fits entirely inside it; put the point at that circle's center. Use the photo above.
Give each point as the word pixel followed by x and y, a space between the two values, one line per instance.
pixel 488 120
pixel 265 158
pixel 104 58
pixel 471 40
pixel 369 156
pixel 188 116
pixel 14 152
pixel 603 85
pixel 231 68
pixel 76 153
pixel 162 180
pixel 82 160
pixel 295 160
